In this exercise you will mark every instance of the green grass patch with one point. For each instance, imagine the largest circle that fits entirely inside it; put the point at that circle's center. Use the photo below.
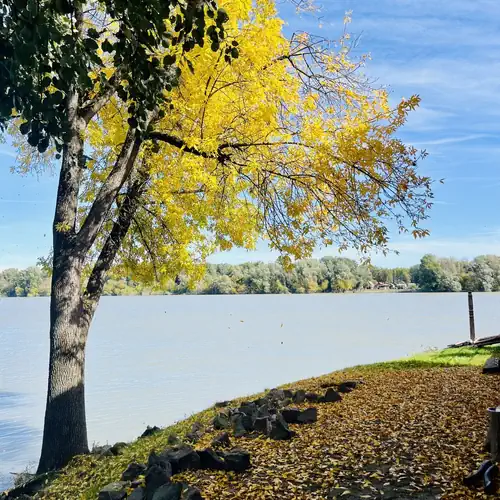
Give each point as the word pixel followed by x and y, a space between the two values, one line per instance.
pixel 460 356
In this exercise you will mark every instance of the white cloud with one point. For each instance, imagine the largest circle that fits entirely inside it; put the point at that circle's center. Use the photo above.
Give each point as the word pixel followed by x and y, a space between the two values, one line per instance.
pixel 450 140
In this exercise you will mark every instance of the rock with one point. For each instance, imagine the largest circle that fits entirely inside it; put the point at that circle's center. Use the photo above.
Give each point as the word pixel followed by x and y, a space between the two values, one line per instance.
pixel 261 401
pixel 174 439
pixel 156 476
pixel 331 395
pixel 221 421
pixel 114 491
pixel 133 471
pixel 237 460
pixel 288 393
pixel 263 411
pixel 181 459
pixel 308 416
pixel 117 448
pixel 210 460
pixel 222 404
pixel 249 409
pixel 160 460
pixel 263 425
pixel 172 491
pixel 276 394
pixel 221 440
pixel 150 431
pixel 138 494
pixel 290 415
pixel 197 427
pixel 238 424
pixel 492 365
pixel 190 493
pixel 299 396
pixel 344 388
pixel 311 397
pixel 279 429
pixel 102 451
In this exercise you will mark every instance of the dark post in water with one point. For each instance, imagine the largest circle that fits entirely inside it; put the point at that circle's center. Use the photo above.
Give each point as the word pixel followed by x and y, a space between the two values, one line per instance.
pixel 471 319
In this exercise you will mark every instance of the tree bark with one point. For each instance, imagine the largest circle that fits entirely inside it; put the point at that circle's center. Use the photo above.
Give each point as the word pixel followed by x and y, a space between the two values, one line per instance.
pixel 65 429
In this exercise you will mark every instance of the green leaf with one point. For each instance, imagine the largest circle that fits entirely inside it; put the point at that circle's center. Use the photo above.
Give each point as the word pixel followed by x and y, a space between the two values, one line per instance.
pixel 24 128
pixel 168 60
pixel 93 33
pixel 107 46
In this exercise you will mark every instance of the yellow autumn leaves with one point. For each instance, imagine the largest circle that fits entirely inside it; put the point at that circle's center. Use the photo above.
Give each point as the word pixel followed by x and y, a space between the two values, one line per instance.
pixel 309 151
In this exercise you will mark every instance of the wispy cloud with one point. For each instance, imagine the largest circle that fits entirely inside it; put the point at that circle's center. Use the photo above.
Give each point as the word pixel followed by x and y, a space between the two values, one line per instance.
pixel 7 152
pixel 451 140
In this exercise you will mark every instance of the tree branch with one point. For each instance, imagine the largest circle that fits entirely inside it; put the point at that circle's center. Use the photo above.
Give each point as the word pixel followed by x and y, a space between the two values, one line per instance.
pixel 108 253
pixel 109 190
pixel 92 107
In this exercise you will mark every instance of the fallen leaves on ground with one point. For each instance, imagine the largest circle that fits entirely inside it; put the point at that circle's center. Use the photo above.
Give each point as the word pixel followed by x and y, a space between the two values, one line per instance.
pixel 402 434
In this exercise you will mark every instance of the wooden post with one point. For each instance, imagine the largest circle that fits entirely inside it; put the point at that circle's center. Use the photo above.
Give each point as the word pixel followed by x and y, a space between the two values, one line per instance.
pixel 494 433
pixel 471 319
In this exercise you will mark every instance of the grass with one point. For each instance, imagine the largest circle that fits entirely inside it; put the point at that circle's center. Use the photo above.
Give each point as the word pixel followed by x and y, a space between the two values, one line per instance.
pixel 86 475
pixel 460 356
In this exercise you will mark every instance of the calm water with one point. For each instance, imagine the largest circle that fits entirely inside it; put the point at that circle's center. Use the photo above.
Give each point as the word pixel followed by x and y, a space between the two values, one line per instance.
pixel 153 360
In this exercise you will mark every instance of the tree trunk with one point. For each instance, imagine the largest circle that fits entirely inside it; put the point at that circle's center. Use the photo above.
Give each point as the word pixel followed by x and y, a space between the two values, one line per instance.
pixel 65 430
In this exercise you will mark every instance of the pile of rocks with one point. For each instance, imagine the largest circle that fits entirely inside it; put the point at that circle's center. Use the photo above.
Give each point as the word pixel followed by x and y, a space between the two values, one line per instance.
pixel 152 481
pixel 271 414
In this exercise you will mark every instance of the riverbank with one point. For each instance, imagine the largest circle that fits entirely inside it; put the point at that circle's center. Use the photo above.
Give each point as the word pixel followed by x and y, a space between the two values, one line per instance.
pixel 413 429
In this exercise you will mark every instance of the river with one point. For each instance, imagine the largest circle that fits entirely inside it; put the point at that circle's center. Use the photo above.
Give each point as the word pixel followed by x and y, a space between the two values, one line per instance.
pixel 155 360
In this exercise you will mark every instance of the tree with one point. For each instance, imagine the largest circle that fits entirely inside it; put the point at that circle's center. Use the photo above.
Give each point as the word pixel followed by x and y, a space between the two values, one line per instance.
pixel 431 277
pixel 62 63
pixel 162 167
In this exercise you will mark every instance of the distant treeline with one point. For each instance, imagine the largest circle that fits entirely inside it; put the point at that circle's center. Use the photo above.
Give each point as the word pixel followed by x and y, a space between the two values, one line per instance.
pixel 326 275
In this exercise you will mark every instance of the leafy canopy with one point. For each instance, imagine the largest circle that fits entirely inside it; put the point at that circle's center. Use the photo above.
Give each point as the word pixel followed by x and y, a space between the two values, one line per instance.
pixel 273 137
pixel 49 47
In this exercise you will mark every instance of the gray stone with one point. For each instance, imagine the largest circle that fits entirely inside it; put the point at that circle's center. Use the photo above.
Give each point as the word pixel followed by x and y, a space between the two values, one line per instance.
pixel 288 393
pixel 117 448
pixel 308 416
pixel 238 425
pixel 182 458
pixel 311 396
pixel 276 394
pixel 299 396
pixel 331 396
pixel 133 471
pixel 160 460
pixel 174 439
pixel 190 493
pixel 279 429
pixel 263 425
pixel 210 460
pixel 138 494
pixel 172 491
pixel 249 409
pixel 221 440
pixel 156 476
pixel 114 491
pixel 221 421
pixel 290 415
pixel 150 431
pixel 102 451
pixel 237 460
pixel 345 387
pixel 222 404
pixel 263 411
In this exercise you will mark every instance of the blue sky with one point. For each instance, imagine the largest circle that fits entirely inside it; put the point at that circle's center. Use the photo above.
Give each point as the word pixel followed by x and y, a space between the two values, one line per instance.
pixel 448 52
